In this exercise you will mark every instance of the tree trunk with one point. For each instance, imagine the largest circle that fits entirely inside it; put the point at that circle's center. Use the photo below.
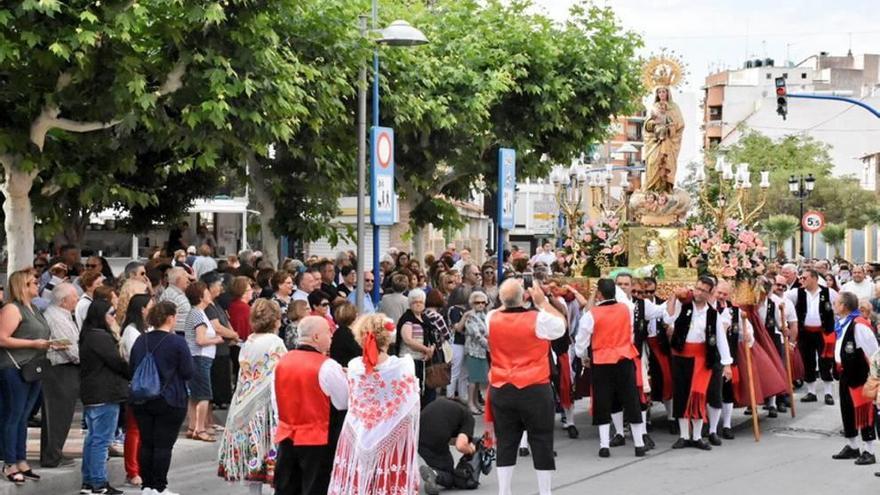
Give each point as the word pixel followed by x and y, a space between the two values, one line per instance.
pixel 74 230
pixel 267 211
pixel 19 221
pixel 418 242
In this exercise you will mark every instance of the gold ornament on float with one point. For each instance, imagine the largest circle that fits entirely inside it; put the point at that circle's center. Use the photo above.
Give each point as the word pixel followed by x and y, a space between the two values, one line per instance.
pixel 666 70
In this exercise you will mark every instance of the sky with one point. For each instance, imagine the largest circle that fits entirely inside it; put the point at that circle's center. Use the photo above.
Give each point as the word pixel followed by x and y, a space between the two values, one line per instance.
pixel 722 34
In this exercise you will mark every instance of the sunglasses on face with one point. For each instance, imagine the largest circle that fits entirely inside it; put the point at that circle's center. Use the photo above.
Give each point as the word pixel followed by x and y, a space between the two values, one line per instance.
pixel 92 265
pixel 40 265
pixel 325 304
pixel 480 302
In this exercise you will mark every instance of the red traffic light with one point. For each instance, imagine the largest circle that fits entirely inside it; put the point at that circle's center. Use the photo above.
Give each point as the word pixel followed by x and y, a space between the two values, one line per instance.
pixel 780 91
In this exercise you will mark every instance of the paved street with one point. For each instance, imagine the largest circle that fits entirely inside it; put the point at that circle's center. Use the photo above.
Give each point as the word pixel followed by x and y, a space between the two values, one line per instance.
pixel 793 457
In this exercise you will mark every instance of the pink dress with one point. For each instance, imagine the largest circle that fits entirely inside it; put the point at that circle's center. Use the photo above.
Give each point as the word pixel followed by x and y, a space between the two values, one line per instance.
pixel 377 449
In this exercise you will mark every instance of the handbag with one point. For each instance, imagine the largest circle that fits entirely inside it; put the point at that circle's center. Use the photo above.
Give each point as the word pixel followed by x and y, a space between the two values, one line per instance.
pixel 31 371
pixel 438 374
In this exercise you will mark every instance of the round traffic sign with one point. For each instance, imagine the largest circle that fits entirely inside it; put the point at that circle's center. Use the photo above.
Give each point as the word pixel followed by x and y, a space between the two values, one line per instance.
pixel 384 149
pixel 813 221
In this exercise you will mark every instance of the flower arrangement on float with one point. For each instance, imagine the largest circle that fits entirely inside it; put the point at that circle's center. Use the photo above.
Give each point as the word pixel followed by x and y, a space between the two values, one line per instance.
pixel 733 251
pixel 598 244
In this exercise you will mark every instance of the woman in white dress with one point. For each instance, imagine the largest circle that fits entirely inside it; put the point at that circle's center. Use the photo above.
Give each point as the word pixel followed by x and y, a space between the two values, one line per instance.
pixel 247 450
pixel 378 445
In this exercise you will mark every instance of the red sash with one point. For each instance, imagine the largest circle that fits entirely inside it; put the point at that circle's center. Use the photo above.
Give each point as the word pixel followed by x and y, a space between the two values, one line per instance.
pixel 565 381
pixel 696 403
pixel 863 407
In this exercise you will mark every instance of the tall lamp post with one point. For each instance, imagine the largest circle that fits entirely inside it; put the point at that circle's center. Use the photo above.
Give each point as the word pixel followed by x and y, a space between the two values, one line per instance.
pixel 801 187
pixel 398 33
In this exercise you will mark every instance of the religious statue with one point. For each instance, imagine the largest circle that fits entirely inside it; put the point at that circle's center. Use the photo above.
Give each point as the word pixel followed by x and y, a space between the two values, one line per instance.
pixel 663 133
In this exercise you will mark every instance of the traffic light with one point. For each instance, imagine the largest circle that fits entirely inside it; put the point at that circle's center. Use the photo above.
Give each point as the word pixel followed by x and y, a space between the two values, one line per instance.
pixel 781 97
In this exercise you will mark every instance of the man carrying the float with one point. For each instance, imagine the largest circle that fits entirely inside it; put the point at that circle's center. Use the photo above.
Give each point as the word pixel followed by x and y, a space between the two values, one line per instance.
pixel 815 315
pixel 643 313
pixel 606 331
pixel 720 396
pixel 698 342
pixel 659 371
pixel 853 348
pixel 520 397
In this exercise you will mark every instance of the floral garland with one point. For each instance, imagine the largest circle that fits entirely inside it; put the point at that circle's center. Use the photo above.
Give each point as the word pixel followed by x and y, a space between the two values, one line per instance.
pixel 595 245
pixel 734 251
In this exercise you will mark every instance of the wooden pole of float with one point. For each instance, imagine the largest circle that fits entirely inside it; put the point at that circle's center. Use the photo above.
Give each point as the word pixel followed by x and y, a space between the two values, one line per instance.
pixel 755 427
pixel 788 368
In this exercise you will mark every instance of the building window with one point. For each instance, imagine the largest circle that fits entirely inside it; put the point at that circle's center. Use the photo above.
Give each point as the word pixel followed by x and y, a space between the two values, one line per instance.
pixel 769 75
pixel 803 75
pixel 715 113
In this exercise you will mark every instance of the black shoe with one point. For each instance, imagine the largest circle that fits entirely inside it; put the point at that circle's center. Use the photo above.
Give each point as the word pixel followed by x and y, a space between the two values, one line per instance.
pixel 810 397
pixel 106 489
pixel 829 400
pixel 748 411
pixel 680 443
pixel 714 439
pixel 865 459
pixel 649 442
pixel 429 476
pixel 846 452
pixel 618 440
pixel 781 407
pixel 727 434
pixel 524 452
pixel 572 431
pixel 649 426
pixel 877 474
pixel 673 427
pixel 640 451
pixel 604 452
pixel 701 444
pixel 771 412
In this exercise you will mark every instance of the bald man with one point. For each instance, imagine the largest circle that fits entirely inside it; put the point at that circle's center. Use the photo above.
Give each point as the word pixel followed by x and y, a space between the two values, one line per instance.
pixel 521 395
pixel 307 384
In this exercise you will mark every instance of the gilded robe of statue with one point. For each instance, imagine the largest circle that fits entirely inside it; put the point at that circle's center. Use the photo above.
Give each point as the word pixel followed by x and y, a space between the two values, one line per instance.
pixel 662 133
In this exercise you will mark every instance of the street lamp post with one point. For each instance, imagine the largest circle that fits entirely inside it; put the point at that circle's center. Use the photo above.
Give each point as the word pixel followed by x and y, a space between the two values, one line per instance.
pixel 801 187
pixel 398 33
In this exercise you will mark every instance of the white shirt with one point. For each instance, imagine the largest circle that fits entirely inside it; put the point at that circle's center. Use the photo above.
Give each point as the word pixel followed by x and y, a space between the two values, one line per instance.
pixel 82 309
pixel 129 337
pixel 812 318
pixel 334 383
pixel 203 265
pixel 697 331
pixel 62 326
pixel 547 326
pixel 862 290
pixel 865 341
pixel 300 295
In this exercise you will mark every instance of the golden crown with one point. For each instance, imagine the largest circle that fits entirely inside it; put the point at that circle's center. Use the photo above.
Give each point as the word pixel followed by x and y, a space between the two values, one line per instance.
pixel 665 69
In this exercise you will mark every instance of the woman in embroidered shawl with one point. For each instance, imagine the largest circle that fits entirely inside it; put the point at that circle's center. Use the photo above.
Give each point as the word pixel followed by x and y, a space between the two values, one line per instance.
pixel 378 445
pixel 247 450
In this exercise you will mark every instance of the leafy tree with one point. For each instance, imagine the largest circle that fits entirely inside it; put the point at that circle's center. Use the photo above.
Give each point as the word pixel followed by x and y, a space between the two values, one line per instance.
pixel 834 234
pixel 211 81
pixel 780 228
pixel 498 75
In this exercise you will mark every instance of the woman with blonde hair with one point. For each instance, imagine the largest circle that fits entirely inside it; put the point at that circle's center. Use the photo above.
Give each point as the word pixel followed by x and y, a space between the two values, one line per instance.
pixel 377 448
pixel 247 450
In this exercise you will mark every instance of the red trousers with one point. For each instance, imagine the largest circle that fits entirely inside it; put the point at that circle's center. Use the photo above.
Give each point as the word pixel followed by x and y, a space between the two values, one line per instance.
pixel 132 444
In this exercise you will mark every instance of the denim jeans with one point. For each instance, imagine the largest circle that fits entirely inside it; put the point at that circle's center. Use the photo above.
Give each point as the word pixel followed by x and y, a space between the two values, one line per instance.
pixel 101 421
pixel 17 400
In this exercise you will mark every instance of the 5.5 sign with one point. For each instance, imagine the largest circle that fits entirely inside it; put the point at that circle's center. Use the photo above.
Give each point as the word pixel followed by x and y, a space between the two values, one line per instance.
pixel 813 221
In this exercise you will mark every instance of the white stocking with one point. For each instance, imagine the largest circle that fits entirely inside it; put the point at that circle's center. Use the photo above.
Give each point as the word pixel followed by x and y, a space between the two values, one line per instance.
pixel 869 446
pixel 683 428
pixel 727 413
pixel 524 441
pixel 604 435
pixel 638 433
pixel 698 429
pixel 714 416
pixel 617 419
pixel 545 482
pixel 505 477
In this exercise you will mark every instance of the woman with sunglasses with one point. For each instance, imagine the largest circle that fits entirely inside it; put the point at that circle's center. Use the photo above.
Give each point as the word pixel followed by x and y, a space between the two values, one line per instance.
pixel 489 283
pixel 320 303
pixel 476 349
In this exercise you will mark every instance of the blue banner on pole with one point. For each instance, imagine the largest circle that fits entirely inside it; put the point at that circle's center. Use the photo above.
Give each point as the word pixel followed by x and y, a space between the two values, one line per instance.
pixel 506 187
pixel 382 175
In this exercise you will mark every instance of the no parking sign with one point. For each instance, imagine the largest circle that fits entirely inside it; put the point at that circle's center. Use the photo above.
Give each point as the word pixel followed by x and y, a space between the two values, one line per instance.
pixel 382 191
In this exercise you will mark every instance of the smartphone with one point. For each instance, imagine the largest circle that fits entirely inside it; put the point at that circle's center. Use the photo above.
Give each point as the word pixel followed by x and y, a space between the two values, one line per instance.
pixel 528 280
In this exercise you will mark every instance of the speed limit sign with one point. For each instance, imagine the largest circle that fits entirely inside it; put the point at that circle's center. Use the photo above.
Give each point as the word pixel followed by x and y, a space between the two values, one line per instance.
pixel 813 221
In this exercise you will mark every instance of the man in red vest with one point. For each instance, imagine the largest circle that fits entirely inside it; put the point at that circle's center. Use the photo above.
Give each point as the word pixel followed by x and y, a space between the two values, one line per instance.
pixel 606 332
pixel 521 394
pixel 307 382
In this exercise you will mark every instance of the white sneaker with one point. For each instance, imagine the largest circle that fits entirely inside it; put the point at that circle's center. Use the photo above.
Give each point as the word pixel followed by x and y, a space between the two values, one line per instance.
pixel 148 491
pixel 166 491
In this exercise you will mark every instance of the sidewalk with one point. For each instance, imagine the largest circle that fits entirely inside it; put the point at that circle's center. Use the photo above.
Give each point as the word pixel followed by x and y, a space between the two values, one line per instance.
pixel 67 480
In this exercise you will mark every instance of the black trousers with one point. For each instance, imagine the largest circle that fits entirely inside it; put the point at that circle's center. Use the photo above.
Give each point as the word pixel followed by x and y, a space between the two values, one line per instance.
pixel 159 423
pixel 234 351
pixel 221 379
pixel 848 415
pixel 303 470
pixel 614 389
pixel 656 376
pixel 811 345
pixel 530 410
pixel 60 394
